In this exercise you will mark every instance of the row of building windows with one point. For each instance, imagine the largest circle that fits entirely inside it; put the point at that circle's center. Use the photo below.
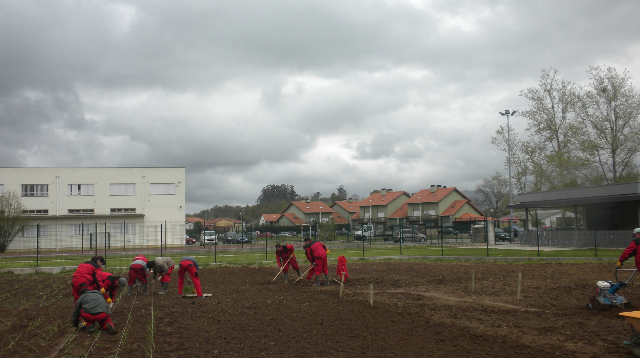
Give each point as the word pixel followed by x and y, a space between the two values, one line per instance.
pixel 80 211
pixel 79 230
pixel 115 189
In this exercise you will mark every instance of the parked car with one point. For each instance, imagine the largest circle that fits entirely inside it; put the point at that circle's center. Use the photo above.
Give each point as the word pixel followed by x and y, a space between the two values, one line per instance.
pixel 449 231
pixel 502 235
pixel 229 237
pixel 363 233
pixel 265 234
pixel 306 233
pixel 208 238
pixel 189 241
pixel 243 239
pixel 287 233
pixel 408 234
pixel 342 232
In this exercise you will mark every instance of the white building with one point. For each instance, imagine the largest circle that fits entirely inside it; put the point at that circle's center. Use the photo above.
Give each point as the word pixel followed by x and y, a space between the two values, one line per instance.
pixel 134 207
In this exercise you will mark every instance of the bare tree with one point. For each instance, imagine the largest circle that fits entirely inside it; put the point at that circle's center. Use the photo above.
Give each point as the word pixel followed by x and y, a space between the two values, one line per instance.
pixel 610 111
pixel 12 220
pixel 493 193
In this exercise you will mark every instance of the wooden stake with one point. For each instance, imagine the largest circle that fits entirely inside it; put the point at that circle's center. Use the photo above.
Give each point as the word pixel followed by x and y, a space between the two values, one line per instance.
pixel 519 283
pixel 342 284
pixel 473 281
pixel 371 294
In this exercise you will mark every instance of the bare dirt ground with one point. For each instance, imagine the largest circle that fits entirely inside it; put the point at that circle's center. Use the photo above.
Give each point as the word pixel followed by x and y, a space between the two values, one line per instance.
pixel 419 309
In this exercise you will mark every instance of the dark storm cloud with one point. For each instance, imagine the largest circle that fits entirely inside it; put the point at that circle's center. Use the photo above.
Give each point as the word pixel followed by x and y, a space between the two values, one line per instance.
pixel 366 94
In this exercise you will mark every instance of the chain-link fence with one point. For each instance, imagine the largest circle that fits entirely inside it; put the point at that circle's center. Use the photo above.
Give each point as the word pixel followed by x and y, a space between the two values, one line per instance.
pixel 65 246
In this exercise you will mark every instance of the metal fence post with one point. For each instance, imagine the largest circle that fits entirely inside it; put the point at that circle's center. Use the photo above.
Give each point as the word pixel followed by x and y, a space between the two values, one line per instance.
pixel 160 240
pixel 124 236
pixel 37 245
pixel 105 242
pixel 96 235
pixel 82 237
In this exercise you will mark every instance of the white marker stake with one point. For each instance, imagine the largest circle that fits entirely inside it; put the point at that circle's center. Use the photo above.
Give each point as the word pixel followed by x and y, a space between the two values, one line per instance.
pixel 371 294
pixel 342 284
pixel 473 281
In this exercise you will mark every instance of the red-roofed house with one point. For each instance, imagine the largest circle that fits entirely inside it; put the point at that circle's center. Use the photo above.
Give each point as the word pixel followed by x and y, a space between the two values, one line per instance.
pixel 377 208
pixel 269 219
pixel 290 219
pixel 437 206
pixel 311 211
pixel 347 209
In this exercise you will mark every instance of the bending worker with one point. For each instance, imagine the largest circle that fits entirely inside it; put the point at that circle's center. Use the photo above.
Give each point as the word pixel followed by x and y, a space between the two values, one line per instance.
pixel 139 270
pixel 190 265
pixel 87 276
pixel 111 283
pixel 163 269
pixel 316 253
pixel 92 307
pixel 631 250
pixel 285 256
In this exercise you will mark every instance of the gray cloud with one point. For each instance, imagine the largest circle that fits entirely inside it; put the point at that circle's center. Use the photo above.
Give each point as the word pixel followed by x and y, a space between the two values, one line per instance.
pixel 365 94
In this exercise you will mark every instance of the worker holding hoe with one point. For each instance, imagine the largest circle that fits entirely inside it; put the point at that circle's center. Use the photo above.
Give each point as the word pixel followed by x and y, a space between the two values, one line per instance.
pixel 316 253
pixel 139 270
pixel 190 265
pixel 631 250
pixel 286 258
pixel 92 307
pixel 87 276
pixel 163 268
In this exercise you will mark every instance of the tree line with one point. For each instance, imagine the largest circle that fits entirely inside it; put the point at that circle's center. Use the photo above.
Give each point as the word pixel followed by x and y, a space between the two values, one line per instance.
pixel 273 198
pixel 576 134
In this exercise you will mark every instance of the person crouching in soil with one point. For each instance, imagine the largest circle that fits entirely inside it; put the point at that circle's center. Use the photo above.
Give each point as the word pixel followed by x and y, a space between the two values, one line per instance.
pixel 316 253
pixel 92 307
pixel 163 269
pixel 111 284
pixel 285 256
pixel 139 270
pixel 188 264
pixel 87 276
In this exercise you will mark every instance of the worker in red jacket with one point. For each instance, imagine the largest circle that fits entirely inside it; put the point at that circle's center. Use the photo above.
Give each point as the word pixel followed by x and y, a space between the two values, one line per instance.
pixel 86 276
pixel 286 258
pixel 141 258
pixel 631 250
pixel 111 283
pixel 316 253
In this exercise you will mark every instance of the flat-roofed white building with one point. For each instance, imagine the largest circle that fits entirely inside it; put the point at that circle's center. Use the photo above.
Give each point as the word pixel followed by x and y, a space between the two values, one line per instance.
pixel 127 206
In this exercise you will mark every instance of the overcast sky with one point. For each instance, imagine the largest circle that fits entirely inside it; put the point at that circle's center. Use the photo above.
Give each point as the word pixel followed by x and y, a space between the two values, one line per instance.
pixel 316 94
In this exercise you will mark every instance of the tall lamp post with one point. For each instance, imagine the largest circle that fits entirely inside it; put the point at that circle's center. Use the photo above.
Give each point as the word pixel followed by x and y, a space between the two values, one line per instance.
pixel 508 113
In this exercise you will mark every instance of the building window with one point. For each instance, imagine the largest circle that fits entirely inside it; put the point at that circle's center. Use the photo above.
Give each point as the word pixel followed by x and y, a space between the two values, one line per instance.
pixel 81 211
pixel 116 229
pixel 32 231
pixel 163 189
pixel 81 189
pixel 35 189
pixel 76 229
pixel 123 210
pixel 36 212
pixel 123 189
pixel 1 189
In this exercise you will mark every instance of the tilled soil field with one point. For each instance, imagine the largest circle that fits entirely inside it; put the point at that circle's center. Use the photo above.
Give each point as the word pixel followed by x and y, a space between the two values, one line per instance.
pixel 419 309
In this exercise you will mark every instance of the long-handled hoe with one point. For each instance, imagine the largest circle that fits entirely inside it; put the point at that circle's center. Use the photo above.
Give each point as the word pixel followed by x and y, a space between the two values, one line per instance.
pixel 281 268
pixel 304 274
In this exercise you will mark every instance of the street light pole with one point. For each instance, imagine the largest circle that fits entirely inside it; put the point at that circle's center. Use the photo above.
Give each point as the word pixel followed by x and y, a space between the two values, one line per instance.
pixel 507 113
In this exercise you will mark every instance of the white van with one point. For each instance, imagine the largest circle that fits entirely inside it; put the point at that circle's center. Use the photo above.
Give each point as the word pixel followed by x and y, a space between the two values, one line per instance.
pixel 208 237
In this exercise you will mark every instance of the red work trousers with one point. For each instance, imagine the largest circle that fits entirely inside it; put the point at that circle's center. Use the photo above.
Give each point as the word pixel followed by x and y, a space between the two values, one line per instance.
pixel 188 266
pixel 321 266
pixel 102 318
pixel 79 283
pixel 137 271
pixel 166 277
pixel 292 262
